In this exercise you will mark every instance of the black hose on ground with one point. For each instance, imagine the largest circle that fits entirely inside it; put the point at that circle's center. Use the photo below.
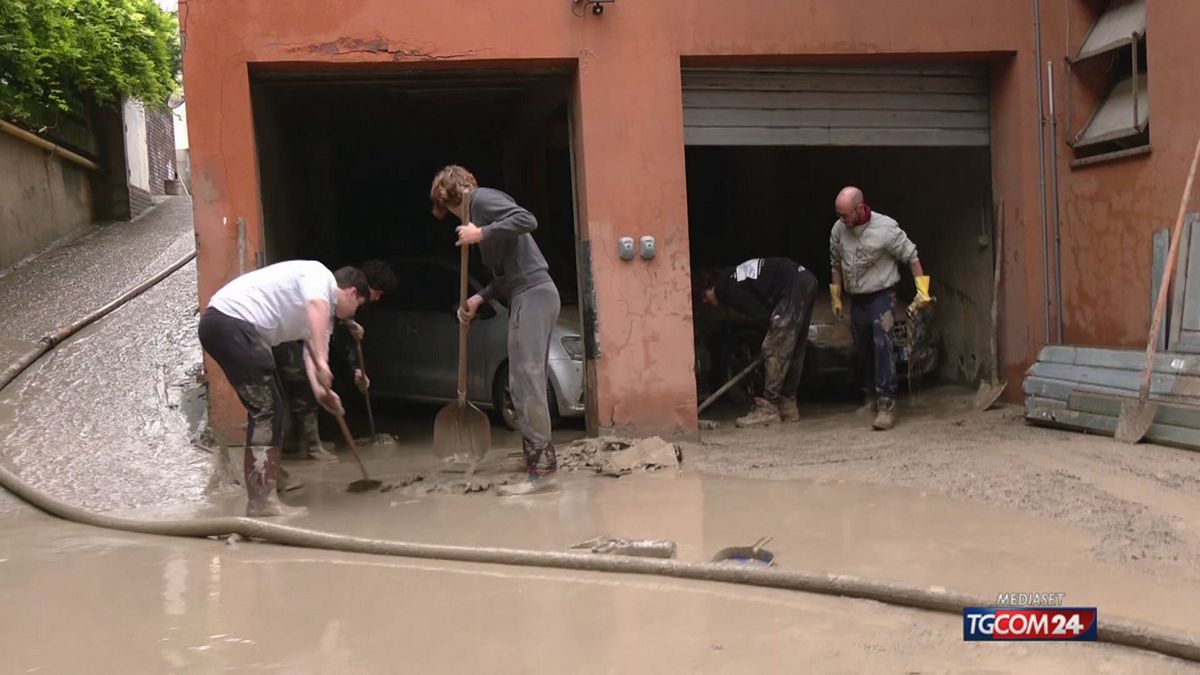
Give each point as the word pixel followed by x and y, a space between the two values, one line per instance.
pixel 1112 630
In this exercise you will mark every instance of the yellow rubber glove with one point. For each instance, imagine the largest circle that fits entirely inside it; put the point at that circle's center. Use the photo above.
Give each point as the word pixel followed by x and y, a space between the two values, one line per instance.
pixel 835 293
pixel 922 298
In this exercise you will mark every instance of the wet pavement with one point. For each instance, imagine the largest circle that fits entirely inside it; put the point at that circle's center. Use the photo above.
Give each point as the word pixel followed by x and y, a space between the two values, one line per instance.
pixel 107 420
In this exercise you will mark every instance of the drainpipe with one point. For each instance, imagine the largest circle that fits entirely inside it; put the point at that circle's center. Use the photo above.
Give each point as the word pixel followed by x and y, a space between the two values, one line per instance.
pixel 1058 303
pixel 47 145
pixel 1041 144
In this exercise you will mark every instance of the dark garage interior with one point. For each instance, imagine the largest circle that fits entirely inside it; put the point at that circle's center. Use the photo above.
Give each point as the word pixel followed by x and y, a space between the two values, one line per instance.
pixel 747 202
pixel 346 158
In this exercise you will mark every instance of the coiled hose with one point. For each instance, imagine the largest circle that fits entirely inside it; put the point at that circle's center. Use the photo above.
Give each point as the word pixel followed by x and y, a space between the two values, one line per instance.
pixel 1112 630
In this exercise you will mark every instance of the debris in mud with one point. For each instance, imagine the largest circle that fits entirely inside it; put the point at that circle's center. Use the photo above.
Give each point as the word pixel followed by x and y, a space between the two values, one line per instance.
pixel 613 456
pixel 417 478
pixel 642 548
pixel 709 425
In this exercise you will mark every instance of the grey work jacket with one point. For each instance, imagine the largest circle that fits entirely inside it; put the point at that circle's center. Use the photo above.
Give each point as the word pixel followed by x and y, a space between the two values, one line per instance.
pixel 867 255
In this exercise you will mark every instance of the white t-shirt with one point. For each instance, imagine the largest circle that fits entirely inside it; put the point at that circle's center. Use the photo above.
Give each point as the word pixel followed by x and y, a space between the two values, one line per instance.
pixel 275 298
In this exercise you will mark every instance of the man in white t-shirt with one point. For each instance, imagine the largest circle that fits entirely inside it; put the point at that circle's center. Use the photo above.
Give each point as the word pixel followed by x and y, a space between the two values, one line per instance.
pixel 284 302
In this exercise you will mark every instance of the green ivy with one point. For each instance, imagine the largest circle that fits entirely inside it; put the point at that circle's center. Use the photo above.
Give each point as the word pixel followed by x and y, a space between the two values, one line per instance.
pixel 53 53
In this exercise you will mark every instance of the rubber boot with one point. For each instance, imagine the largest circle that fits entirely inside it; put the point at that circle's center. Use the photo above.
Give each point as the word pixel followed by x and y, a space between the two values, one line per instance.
pixel 262 467
pixel 764 414
pixel 541 468
pixel 310 437
pixel 885 417
pixel 788 410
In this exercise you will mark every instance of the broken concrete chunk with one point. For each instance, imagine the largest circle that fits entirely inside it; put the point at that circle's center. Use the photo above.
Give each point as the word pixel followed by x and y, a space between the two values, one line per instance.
pixel 650 453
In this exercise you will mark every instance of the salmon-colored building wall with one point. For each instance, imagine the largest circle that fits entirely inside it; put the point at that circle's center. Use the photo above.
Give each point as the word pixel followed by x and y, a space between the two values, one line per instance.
pixel 628 123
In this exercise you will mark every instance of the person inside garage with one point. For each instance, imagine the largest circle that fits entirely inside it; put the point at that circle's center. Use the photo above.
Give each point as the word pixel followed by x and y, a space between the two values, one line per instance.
pixel 865 250
pixel 781 291
pixel 520 281
pixel 301 436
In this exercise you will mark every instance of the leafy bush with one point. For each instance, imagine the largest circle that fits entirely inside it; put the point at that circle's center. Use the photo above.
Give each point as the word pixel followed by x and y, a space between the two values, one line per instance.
pixel 58 53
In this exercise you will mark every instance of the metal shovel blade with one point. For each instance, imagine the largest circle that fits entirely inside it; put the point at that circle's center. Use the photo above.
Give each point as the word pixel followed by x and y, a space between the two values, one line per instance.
pixel 461 431
pixel 1135 420
pixel 988 393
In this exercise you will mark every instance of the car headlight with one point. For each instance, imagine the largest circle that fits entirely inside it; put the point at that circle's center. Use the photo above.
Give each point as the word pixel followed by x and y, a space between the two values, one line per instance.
pixel 573 344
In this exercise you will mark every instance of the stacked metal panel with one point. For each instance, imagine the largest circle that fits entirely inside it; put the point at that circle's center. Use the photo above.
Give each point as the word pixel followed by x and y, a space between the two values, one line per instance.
pixel 1082 388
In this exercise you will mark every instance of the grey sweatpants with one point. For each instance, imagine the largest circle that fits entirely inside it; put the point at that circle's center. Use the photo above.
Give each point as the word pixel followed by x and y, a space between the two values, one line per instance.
pixel 533 316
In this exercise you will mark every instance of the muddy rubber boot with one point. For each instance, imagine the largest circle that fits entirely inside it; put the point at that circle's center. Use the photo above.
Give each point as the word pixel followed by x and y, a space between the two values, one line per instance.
pixel 310 436
pixel 885 418
pixel 764 414
pixel 261 467
pixel 541 469
pixel 788 410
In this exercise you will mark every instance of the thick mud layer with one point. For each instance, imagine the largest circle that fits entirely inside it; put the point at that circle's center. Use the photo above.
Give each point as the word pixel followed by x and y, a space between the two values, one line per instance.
pixel 1140 504
pixel 107 419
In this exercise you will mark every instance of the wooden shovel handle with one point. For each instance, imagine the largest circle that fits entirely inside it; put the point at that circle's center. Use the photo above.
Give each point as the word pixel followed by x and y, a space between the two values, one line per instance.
pixel 1168 271
pixel 463 328
pixel 350 442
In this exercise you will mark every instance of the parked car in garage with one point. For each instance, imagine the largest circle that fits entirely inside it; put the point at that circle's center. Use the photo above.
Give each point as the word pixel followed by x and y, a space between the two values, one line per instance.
pixel 411 345
pixel 726 342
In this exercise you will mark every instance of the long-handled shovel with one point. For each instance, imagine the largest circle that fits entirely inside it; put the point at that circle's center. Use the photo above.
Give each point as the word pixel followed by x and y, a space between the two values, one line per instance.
pixel 1137 416
pixel 362 365
pixel 366 483
pixel 728 385
pixel 989 392
pixel 460 428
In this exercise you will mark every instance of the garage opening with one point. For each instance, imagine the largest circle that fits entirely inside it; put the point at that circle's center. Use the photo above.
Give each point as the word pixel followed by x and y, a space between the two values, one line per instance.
pixel 345 161
pixel 768 149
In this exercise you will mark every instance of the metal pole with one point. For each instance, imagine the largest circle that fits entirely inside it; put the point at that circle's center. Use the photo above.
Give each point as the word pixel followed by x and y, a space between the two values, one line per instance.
pixel 1041 144
pixel 1054 189
pixel 1134 48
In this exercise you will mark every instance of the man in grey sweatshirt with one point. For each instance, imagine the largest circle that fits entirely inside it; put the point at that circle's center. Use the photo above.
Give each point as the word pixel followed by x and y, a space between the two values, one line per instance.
pixel 521 281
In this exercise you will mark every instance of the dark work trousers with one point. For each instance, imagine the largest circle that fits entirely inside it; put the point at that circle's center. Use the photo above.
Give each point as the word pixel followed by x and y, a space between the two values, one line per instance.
pixel 872 316
pixel 297 393
pixel 531 320
pixel 787 338
pixel 246 359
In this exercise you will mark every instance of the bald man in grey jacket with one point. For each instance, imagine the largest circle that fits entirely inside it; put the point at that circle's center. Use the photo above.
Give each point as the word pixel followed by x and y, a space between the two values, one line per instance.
pixel 865 249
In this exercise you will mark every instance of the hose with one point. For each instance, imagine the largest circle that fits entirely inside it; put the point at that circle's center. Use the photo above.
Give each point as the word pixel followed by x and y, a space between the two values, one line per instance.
pixel 1111 630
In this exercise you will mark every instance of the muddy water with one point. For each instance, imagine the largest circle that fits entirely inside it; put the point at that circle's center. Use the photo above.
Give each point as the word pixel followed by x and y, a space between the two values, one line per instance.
pixel 100 420
pixel 141 604
pixel 73 279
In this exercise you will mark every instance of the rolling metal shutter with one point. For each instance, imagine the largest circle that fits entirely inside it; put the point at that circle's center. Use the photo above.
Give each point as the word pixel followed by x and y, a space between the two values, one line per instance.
pixel 942 105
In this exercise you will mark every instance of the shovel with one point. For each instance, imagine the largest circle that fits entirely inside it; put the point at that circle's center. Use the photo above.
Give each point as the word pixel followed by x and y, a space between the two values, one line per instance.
pixel 460 429
pixel 362 365
pixel 365 484
pixel 1137 416
pixel 989 392
pixel 728 385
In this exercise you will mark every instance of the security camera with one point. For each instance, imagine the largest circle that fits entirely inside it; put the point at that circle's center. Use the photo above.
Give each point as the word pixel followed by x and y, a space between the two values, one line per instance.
pixel 597 9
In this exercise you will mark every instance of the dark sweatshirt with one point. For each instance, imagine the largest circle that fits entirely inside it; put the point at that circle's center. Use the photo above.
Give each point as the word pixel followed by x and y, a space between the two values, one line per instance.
pixel 507 249
pixel 756 286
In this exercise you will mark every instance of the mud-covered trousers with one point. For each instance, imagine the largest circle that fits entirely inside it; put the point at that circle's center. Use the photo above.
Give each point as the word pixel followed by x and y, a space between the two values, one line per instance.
pixel 531 320
pixel 297 395
pixel 786 342
pixel 872 316
pixel 246 359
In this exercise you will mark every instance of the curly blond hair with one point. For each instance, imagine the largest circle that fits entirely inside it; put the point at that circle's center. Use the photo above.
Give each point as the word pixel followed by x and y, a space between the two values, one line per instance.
pixel 448 187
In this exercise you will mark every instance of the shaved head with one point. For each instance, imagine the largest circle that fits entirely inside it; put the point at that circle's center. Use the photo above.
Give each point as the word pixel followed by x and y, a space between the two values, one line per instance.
pixel 849 198
pixel 847 205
